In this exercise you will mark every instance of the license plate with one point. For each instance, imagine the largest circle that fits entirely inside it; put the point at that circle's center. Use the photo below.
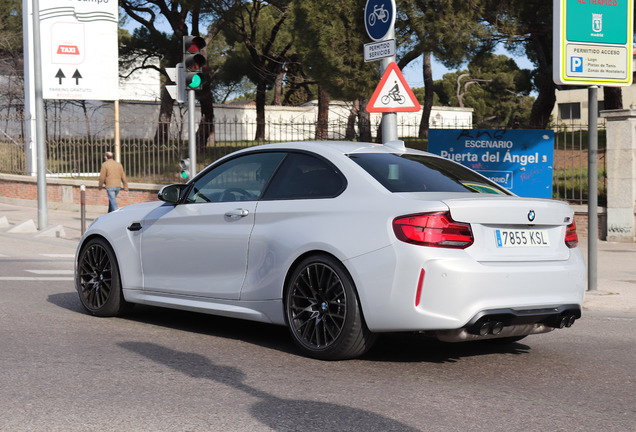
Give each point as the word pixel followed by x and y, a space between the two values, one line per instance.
pixel 521 238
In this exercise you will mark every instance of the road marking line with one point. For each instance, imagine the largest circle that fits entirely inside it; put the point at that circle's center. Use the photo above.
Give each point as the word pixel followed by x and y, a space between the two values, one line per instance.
pixel 51 272
pixel 36 278
pixel 59 255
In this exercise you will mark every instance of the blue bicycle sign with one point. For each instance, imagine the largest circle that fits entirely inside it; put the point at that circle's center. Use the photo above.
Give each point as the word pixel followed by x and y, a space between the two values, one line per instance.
pixel 379 13
pixel 379 17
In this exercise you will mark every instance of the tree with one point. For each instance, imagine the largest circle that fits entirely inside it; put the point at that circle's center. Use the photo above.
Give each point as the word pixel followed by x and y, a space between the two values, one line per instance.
pixel 259 33
pixel 149 41
pixel 612 98
pixel 525 26
pixel 330 35
pixel 494 87
pixel 443 28
pixel 11 55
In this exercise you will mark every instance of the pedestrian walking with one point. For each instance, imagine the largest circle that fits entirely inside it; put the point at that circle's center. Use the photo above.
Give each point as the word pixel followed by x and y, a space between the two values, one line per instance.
pixel 112 176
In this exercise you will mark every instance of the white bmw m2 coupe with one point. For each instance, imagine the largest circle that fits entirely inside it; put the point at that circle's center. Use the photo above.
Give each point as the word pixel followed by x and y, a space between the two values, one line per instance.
pixel 340 241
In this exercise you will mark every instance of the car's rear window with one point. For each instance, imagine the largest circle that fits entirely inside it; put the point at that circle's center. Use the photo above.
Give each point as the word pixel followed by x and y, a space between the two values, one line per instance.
pixel 418 173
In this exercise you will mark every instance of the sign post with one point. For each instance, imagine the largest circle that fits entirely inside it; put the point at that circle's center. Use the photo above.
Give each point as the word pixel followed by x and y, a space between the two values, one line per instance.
pixel 43 218
pixel 593 46
pixel 379 21
pixel 70 53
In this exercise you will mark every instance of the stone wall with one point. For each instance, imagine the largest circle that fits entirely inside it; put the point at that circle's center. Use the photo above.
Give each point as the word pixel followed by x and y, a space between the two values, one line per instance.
pixel 621 174
pixel 66 194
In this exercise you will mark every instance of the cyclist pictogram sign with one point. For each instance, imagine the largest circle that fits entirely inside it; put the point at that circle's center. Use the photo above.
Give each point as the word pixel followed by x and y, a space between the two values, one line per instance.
pixel 393 94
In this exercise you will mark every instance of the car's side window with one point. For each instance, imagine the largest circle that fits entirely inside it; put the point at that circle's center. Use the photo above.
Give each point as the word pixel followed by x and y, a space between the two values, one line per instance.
pixel 305 176
pixel 240 179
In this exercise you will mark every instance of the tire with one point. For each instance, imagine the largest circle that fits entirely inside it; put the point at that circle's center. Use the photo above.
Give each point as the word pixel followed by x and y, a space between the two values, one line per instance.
pixel 97 280
pixel 322 310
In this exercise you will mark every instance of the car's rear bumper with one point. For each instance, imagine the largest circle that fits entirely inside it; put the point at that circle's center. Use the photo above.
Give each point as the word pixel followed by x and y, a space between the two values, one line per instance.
pixel 456 289
pixel 498 323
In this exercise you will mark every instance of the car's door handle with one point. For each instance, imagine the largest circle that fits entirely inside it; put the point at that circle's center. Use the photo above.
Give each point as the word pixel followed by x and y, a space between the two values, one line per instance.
pixel 236 213
pixel 135 226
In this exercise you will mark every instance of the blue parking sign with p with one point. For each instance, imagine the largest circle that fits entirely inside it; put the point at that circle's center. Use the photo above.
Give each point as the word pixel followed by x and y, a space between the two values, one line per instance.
pixel 576 64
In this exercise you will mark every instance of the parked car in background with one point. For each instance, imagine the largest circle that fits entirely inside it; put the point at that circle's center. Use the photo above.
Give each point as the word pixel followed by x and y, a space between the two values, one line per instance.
pixel 340 241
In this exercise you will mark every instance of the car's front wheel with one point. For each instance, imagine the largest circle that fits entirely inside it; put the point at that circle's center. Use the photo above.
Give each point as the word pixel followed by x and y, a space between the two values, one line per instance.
pixel 97 279
pixel 323 312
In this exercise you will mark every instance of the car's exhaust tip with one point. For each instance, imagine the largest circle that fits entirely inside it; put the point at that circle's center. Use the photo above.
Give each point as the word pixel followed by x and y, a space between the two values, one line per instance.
pixel 563 321
pixel 488 328
pixel 503 323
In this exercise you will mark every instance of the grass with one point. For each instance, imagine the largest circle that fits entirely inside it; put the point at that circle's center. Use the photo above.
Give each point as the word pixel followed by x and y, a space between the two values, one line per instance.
pixel 572 185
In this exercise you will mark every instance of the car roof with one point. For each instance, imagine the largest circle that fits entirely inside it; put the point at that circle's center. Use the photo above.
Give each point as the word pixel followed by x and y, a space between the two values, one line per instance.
pixel 339 147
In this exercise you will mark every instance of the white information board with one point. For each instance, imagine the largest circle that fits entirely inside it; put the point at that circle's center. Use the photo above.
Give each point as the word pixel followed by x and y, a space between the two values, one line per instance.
pixel 79 49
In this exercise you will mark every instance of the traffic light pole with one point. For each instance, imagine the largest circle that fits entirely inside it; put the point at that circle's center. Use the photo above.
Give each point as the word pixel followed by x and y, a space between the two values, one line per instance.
pixel 193 79
pixel 192 139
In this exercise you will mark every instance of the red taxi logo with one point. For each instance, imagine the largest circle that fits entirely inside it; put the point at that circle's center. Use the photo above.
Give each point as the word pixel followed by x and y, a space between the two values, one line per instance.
pixel 68 49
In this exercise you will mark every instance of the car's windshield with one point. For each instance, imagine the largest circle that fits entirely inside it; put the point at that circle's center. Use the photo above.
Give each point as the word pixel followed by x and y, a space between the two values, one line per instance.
pixel 419 173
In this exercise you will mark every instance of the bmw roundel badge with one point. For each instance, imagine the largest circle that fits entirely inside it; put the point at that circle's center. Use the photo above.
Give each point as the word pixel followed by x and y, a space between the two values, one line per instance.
pixel 531 215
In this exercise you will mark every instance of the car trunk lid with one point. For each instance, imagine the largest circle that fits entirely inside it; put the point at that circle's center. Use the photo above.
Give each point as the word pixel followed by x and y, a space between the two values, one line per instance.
pixel 513 228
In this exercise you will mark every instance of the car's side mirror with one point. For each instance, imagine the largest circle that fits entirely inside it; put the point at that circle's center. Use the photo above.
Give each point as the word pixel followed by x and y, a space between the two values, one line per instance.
pixel 172 193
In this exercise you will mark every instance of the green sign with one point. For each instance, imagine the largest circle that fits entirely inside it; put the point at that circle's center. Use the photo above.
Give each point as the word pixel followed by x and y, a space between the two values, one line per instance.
pixel 597 21
pixel 593 42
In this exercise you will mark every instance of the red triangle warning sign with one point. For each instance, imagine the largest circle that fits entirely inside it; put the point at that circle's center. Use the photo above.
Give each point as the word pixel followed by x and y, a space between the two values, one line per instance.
pixel 393 93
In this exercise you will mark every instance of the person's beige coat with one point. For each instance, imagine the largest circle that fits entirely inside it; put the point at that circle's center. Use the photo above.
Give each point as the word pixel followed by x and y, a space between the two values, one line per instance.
pixel 112 175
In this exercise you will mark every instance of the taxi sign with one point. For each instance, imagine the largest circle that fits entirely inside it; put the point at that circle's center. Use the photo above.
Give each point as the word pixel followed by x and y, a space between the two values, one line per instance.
pixel 79 50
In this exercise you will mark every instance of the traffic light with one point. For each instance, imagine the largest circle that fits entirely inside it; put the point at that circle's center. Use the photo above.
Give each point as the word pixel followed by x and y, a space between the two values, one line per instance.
pixel 176 90
pixel 193 62
pixel 185 171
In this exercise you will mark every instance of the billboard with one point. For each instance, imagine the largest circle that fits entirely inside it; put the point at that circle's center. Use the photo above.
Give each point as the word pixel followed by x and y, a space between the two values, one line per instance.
pixel 79 49
pixel 520 160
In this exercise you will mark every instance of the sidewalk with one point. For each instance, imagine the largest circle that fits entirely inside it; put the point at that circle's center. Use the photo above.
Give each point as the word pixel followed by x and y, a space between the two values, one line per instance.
pixel 616 281
pixel 616 278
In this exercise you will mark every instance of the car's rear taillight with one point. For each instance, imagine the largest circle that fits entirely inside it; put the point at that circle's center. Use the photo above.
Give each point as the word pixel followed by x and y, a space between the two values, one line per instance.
pixel 433 229
pixel 571 238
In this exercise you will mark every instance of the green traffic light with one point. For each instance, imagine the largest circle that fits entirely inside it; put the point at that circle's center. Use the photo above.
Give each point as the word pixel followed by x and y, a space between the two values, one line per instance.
pixel 184 174
pixel 195 82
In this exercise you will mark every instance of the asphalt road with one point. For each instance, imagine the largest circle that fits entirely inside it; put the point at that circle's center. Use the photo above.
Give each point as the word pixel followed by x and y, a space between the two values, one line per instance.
pixel 162 370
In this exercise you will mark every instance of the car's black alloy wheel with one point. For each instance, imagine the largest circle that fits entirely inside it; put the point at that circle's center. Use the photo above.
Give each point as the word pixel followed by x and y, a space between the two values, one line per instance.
pixel 97 279
pixel 323 312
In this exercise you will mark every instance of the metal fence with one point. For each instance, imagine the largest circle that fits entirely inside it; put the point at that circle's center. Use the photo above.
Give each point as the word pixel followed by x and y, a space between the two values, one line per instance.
pixel 150 151
pixel 570 176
